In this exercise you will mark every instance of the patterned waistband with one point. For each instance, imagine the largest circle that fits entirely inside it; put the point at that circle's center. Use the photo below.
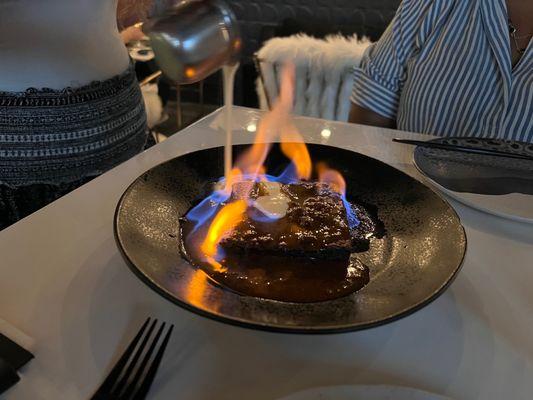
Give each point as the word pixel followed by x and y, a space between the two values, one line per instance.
pixel 51 136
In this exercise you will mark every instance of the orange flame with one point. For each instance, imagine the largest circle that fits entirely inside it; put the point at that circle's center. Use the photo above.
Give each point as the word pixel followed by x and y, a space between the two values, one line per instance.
pixel 293 146
pixel 276 124
pixel 225 221
pixel 234 176
pixel 190 72
pixel 292 143
pixel 331 177
pixel 196 288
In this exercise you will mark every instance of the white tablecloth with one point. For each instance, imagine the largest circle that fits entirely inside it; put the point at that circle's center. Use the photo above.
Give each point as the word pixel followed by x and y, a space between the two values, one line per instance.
pixel 63 282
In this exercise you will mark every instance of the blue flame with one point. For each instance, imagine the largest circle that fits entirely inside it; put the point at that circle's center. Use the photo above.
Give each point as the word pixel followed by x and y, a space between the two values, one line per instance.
pixel 288 175
pixel 208 207
pixel 353 221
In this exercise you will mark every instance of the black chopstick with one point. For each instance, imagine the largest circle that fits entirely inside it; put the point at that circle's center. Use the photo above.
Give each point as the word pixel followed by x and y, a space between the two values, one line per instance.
pixel 463 149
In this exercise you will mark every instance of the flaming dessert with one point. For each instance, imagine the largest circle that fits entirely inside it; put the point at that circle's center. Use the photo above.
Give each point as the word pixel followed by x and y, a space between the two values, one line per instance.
pixel 290 237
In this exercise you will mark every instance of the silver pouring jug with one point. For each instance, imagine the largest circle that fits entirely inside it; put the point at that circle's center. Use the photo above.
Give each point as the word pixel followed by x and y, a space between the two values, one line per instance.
pixel 194 38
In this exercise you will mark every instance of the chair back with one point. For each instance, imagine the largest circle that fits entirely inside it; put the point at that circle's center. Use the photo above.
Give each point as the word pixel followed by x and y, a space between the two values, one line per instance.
pixel 324 73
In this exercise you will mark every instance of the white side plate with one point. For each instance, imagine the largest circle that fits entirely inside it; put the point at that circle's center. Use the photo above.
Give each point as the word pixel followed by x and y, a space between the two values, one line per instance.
pixel 515 206
pixel 363 392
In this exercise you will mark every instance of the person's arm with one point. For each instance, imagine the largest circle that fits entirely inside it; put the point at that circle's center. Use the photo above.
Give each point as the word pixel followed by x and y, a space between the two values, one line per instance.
pixel 360 115
pixel 380 77
pixel 130 12
pixel 132 33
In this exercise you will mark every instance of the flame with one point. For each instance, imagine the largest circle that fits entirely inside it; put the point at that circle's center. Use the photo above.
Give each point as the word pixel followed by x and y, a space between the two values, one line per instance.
pixel 293 146
pixel 225 221
pixel 337 183
pixel 278 123
pixel 196 288
pixel 190 72
pixel 234 176
pixel 292 143
pixel 249 167
pixel 332 177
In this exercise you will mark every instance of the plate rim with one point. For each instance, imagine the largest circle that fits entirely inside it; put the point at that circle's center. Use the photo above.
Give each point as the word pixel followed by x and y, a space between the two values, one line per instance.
pixel 437 187
pixel 455 196
pixel 279 328
pixel 435 396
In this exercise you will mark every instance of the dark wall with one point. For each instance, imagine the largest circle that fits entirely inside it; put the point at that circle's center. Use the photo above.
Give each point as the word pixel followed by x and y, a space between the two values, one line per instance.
pixel 261 20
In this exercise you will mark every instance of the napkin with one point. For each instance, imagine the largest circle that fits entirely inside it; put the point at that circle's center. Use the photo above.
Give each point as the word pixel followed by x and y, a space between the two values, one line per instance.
pixel 15 345
pixel 8 376
pixel 13 354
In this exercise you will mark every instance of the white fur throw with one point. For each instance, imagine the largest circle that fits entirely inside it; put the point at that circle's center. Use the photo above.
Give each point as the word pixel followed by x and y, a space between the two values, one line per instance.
pixel 152 104
pixel 324 72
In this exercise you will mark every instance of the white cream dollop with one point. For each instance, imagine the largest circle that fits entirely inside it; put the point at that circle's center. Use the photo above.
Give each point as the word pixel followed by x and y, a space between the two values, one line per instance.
pixel 272 201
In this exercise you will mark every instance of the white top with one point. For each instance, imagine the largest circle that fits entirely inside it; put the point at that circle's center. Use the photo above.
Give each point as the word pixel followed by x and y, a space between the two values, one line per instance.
pixel 64 283
pixel 58 43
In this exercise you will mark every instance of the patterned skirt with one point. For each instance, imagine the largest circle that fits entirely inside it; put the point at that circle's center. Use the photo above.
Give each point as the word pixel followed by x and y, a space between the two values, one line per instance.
pixel 52 141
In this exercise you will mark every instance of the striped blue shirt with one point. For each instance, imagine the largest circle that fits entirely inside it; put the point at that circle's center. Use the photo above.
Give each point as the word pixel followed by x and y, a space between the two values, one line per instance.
pixel 443 67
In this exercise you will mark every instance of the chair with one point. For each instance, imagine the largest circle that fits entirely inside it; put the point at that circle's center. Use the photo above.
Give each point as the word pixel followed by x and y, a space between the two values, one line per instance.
pixel 324 73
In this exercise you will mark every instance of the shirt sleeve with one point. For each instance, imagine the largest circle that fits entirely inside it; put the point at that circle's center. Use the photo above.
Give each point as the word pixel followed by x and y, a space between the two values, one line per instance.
pixel 380 77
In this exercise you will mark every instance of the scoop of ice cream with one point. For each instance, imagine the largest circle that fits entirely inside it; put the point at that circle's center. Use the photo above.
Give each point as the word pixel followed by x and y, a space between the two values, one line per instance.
pixel 265 197
pixel 271 201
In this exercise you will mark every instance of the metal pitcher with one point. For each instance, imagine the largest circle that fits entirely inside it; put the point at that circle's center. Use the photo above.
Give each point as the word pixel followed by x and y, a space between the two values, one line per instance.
pixel 194 38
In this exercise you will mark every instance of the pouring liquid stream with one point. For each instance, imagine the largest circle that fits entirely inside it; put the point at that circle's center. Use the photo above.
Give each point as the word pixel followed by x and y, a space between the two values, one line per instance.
pixel 228 72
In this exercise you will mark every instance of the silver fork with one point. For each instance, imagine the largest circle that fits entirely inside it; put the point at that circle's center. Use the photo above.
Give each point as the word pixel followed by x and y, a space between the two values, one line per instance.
pixel 132 380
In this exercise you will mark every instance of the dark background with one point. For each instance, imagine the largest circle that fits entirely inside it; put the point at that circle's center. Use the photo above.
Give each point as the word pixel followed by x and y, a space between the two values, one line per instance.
pixel 261 20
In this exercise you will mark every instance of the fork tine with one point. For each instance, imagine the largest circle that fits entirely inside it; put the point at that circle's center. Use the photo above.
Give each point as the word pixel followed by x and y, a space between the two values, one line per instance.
pixel 107 385
pixel 131 366
pixel 133 382
pixel 150 375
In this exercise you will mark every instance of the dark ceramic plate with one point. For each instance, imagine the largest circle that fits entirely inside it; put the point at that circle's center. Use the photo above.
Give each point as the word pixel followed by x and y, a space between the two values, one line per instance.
pixel 474 173
pixel 412 265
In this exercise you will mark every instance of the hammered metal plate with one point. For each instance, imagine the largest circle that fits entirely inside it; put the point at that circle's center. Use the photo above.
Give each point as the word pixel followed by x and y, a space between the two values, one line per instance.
pixel 412 265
